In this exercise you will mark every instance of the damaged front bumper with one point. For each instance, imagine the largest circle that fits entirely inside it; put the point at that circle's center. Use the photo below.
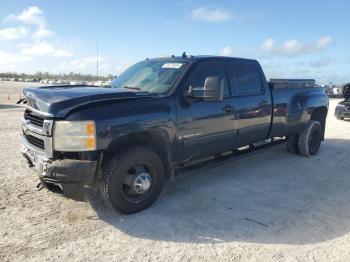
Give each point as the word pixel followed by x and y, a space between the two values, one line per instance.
pixel 66 176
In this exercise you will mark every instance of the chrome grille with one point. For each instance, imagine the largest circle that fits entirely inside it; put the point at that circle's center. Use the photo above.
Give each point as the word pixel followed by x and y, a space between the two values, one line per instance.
pixel 33 119
pixel 37 132
pixel 35 141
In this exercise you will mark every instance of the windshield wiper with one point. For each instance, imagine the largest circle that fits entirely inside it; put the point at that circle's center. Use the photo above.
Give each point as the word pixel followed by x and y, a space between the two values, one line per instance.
pixel 139 89
pixel 132 87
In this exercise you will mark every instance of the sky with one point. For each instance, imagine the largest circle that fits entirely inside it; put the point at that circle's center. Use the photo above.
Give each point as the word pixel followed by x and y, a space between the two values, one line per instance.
pixel 293 39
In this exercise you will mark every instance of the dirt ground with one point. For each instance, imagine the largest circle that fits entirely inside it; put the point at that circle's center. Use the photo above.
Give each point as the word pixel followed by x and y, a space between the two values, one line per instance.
pixel 266 206
pixel 10 92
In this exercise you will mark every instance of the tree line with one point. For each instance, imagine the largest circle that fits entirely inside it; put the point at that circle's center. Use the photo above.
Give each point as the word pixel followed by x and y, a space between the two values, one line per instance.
pixel 46 75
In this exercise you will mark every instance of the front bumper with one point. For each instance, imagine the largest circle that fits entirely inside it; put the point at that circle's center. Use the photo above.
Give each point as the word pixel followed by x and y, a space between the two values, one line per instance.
pixel 68 175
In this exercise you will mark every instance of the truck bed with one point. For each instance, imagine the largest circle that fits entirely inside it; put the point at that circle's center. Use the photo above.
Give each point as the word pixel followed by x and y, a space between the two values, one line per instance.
pixel 289 103
pixel 279 83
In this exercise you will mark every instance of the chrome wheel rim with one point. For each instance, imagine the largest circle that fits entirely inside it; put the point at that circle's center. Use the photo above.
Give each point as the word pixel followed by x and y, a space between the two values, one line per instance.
pixel 138 182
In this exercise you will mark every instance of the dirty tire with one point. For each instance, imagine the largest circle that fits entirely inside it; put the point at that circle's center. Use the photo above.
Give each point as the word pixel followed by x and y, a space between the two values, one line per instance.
pixel 115 171
pixel 292 144
pixel 310 139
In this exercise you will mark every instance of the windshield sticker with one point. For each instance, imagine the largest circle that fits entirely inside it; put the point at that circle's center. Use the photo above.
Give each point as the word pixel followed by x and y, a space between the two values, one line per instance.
pixel 172 65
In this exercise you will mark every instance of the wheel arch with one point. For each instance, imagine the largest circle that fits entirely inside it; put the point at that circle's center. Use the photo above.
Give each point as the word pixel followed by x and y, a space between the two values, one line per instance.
pixel 156 139
pixel 320 114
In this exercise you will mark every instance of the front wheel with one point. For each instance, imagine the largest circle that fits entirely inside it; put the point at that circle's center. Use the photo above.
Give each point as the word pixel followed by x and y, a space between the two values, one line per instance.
pixel 310 139
pixel 132 180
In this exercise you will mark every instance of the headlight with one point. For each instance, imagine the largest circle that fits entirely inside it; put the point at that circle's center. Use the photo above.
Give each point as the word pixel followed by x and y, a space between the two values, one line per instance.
pixel 71 136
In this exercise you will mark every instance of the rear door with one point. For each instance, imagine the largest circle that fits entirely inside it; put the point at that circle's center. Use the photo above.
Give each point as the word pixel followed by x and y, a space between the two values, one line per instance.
pixel 252 101
pixel 206 128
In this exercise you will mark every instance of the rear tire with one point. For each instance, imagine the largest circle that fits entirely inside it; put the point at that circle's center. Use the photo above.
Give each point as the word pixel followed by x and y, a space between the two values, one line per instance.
pixel 292 143
pixel 120 187
pixel 310 139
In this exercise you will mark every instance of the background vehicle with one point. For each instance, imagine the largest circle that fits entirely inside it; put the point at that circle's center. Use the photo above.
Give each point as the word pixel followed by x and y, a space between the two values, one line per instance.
pixel 158 115
pixel 343 108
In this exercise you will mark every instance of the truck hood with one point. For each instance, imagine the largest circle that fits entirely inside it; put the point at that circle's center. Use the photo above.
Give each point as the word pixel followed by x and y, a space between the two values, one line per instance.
pixel 57 101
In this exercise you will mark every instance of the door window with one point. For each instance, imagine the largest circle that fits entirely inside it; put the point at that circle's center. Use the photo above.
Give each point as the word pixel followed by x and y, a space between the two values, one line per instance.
pixel 207 69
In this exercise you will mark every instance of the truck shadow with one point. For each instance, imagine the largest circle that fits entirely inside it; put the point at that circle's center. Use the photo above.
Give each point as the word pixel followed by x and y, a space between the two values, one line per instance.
pixel 269 196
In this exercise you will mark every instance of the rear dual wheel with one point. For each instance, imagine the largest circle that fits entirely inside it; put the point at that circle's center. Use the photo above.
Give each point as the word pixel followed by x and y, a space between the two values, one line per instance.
pixel 306 143
pixel 292 144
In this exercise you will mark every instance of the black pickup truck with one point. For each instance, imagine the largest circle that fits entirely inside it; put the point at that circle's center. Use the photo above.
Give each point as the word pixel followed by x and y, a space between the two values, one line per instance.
pixel 159 115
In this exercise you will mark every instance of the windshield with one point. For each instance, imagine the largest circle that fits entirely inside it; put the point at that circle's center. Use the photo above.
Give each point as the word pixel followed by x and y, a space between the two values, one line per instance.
pixel 152 76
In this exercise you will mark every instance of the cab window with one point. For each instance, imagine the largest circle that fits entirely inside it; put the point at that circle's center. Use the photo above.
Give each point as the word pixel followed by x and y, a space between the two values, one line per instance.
pixel 246 78
pixel 207 69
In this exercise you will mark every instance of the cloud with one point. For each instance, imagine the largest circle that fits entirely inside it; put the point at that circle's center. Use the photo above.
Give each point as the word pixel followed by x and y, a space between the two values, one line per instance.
pixel 294 47
pixel 83 63
pixel 211 14
pixel 226 51
pixel 34 18
pixel 43 32
pixel 7 58
pixel 86 64
pixel 13 33
pixel 323 42
pixel 267 45
pixel 31 29
pixel 321 62
pixel 33 15
pixel 44 48
pixel 30 50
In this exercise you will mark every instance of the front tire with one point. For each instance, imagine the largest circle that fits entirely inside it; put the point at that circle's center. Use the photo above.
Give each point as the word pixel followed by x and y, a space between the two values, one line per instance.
pixel 132 180
pixel 310 139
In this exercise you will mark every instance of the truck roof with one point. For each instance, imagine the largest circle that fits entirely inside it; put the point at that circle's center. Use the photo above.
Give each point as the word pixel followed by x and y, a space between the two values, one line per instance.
pixel 200 57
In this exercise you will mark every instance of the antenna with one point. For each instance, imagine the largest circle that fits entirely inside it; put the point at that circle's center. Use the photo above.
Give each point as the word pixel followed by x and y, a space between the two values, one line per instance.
pixel 97 59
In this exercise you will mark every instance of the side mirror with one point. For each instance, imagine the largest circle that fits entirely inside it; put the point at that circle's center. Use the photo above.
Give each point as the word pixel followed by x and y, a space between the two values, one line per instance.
pixel 213 89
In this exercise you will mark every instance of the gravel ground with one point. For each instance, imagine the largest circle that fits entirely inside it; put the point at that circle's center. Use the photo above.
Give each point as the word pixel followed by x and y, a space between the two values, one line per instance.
pixel 265 206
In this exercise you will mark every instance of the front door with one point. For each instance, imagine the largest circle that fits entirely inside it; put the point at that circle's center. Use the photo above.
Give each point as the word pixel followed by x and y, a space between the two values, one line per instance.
pixel 206 128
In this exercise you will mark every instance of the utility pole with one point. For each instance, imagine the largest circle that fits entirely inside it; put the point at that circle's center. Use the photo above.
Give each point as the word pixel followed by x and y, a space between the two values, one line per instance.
pixel 97 59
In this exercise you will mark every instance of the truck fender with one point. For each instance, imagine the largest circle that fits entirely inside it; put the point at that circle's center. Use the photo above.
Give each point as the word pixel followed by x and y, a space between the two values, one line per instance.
pixel 156 139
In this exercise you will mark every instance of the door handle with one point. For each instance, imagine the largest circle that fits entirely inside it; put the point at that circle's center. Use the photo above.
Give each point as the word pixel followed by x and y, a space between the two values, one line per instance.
pixel 228 108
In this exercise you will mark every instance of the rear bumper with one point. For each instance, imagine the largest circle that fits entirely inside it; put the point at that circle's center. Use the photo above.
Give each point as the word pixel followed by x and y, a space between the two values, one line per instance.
pixel 69 175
